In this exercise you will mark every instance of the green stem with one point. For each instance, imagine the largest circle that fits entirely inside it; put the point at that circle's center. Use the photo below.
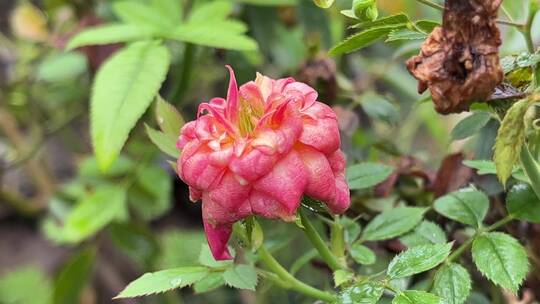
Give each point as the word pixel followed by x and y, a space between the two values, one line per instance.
pixel 293 282
pixel 318 243
pixel 337 238
pixel 431 4
pixel 460 250
pixel 530 166
pixel 185 75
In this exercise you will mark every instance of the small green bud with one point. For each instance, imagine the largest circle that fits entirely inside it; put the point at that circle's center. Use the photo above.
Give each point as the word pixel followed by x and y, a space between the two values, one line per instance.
pixel 359 6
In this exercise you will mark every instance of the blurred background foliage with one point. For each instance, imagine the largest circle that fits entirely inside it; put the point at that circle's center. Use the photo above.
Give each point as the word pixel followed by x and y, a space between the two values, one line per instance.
pixel 72 234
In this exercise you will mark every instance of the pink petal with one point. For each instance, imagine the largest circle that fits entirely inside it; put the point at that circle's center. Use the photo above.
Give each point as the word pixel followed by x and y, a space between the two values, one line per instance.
pixel 285 183
pixel 232 97
pixel 268 206
pixel 342 200
pixel 321 129
pixel 218 237
pixel 306 94
pixel 321 185
pixel 197 171
pixel 252 165
pixel 232 198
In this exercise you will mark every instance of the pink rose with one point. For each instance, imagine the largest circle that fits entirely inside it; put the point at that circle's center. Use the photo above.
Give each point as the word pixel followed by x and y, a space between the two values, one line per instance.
pixel 257 152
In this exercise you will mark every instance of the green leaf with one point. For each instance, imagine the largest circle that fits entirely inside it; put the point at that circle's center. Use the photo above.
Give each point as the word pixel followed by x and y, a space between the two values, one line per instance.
pixel 89 168
pixel 123 89
pixel 418 259
pixel 214 11
pixel 342 276
pixel 362 254
pixel 180 248
pixel 171 9
pixel 416 297
pixel 361 40
pixel 392 223
pixel 323 3
pixel 212 281
pixel 425 233
pixel 270 2
pixel 164 280
pixel 501 258
pixel 223 34
pixel 136 241
pixel 108 34
pixel 26 285
pixel 452 283
pixel 471 125
pixel 62 67
pixel 405 34
pixel 363 293
pixel 365 175
pixel 207 259
pixel 378 107
pixel 170 121
pixel 352 229
pixel 139 13
pixel 488 167
pixel 151 196
pixel 510 138
pixel 426 26
pixel 523 204
pixel 165 142
pixel 241 276
pixel 398 20
pixel 73 277
pixel 93 213
pixel 468 206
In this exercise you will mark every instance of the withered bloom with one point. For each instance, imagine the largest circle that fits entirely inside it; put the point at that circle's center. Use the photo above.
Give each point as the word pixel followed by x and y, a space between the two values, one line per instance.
pixel 459 61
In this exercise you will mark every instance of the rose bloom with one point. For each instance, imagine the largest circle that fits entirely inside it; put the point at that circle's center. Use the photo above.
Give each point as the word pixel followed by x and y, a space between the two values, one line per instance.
pixel 257 152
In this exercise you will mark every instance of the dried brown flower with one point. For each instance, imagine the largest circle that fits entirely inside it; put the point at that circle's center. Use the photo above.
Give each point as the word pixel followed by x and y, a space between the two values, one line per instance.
pixel 459 61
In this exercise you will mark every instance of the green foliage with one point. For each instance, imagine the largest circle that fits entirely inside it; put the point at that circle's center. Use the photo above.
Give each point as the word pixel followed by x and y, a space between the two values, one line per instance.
pixel 164 280
pixel 324 3
pixel 452 283
pixel 170 121
pixel 116 106
pixel 362 39
pixel 392 223
pixel 62 67
pixel 342 276
pixel 425 233
pixel 522 203
pixel 379 108
pixel 241 276
pixel 110 33
pixel 418 259
pixel 500 258
pixel 180 248
pixel 91 213
pixel 151 195
pixel 488 167
pixel 365 293
pixel 26 285
pixel 470 125
pixel 468 206
pixel 73 277
pixel 416 297
pixel 510 138
pixel 210 282
pixel 365 175
pixel 165 142
pixel 362 254
pixel 405 34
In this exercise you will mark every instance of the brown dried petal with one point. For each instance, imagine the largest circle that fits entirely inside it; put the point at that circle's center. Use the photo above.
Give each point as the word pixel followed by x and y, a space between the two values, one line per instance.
pixel 459 61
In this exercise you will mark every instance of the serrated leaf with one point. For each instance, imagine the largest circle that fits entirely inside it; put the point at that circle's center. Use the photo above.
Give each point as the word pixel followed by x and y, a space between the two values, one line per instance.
pixel 170 121
pixel 224 34
pixel 241 276
pixel 523 204
pixel 123 89
pixel 392 223
pixel 418 259
pixel 170 9
pixel 468 206
pixel 212 281
pixel 405 34
pixel 214 10
pixel 108 34
pixel 164 280
pixel 342 276
pixel 165 142
pixel 501 259
pixel 452 283
pixel 365 175
pixel 400 20
pixel 416 297
pixel 488 167
pixel 510 138
pixel 470 125
pixel 425 233
pixel 139 13
pixel 361 40
pixel 362 254
pixel 73 277
pixel 363 293
pixel 62 67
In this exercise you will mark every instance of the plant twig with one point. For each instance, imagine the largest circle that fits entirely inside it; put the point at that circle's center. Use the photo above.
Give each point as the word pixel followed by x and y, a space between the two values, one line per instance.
pixel 293 283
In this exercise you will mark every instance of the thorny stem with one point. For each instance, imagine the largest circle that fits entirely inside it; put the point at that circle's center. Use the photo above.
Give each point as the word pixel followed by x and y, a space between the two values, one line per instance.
pixel 289 280
pixel 318 243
